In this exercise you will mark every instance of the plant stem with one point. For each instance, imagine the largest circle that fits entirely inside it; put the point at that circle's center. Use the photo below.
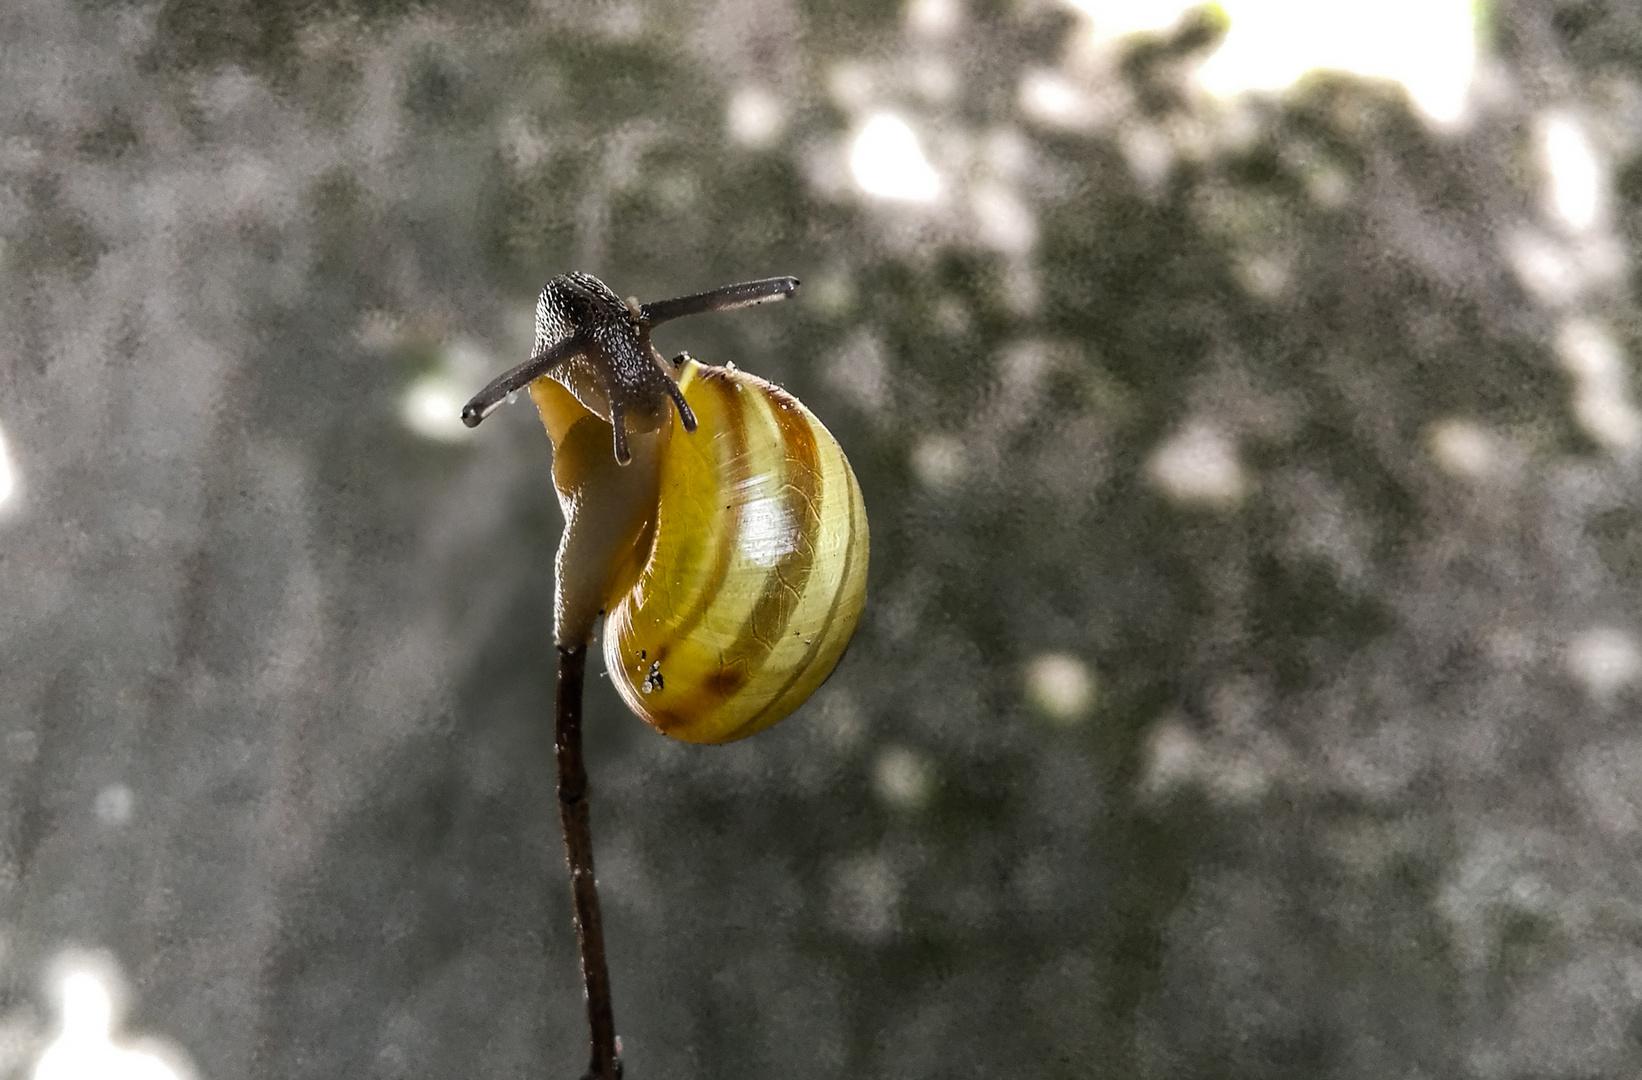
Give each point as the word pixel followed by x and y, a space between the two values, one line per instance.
pixel 603 1064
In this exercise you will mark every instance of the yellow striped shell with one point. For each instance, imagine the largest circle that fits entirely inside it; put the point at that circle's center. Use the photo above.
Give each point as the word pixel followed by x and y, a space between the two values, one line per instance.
pixel 733 601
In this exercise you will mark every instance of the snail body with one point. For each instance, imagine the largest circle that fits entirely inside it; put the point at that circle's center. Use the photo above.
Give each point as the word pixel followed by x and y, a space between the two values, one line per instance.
pixel 709 516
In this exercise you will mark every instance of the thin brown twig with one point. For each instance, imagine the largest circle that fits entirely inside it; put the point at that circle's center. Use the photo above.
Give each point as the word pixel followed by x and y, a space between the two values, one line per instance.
pixel 603 1063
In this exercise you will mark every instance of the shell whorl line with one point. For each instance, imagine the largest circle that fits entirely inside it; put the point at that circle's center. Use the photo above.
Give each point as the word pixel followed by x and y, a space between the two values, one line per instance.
pixel 577 315
pixel 753 574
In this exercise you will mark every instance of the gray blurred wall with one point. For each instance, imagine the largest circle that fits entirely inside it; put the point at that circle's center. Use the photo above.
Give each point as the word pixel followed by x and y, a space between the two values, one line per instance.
pixel 1249 682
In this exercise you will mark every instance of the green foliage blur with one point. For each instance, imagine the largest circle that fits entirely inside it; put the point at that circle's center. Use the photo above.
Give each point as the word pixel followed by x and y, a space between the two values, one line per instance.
pixel 1248 681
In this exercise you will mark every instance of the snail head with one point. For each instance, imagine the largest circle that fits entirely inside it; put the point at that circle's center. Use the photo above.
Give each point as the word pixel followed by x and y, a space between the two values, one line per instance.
pixel 598 346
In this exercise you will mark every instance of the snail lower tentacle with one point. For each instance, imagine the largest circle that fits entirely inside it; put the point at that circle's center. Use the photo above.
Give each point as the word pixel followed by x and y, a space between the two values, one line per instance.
pixel 618 425
pixel 686 417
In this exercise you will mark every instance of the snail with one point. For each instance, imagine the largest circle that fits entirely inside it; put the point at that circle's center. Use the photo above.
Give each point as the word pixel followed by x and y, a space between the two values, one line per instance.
pixel 710 518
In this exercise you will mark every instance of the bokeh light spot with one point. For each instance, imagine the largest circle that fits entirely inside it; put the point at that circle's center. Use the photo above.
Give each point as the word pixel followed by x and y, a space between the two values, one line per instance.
pixel 84 1048
pixel 8 481
pixel 1199 466
pixel 1461 448
pixel 887 161
pixel 933 18
pixel 903 778
pixel 1060 686
pixel 1575 191
pixel 1114 18
pixel 756 118
pixel 1002 220
pixel 114 804
pixel 939 461
pixel 1051 98
pixel 1174 759
pixel 1427 45
pixel 865 897
pixel 432 408
pixel 1605 660
pixel 1602 394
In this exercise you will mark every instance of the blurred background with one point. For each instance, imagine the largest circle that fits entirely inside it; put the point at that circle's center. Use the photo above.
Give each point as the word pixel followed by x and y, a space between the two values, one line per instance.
pixel 1249 679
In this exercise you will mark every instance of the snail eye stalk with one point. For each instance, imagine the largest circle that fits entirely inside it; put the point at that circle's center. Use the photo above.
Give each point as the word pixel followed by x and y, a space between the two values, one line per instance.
pixel 491 397
pixel 728 298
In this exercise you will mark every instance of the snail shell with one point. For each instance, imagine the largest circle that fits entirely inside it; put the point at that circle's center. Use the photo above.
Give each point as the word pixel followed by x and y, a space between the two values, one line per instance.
pixel 732 596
